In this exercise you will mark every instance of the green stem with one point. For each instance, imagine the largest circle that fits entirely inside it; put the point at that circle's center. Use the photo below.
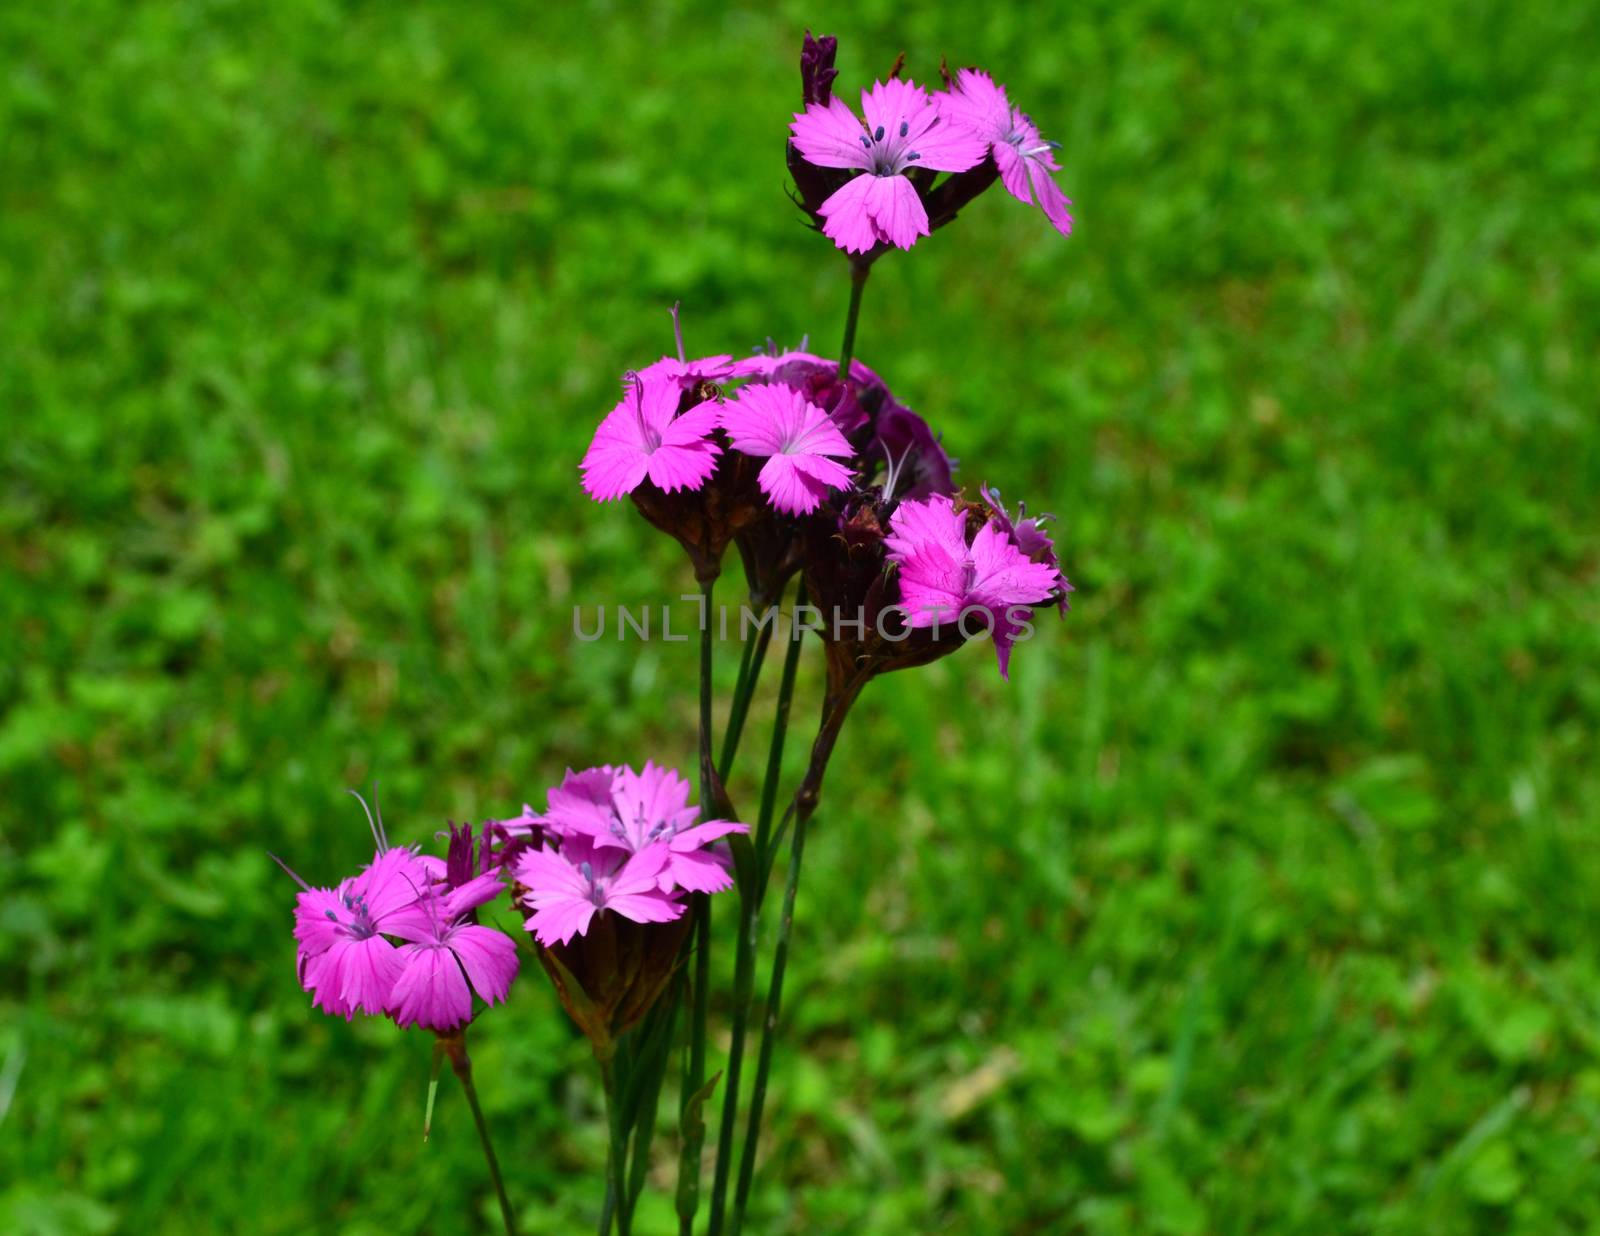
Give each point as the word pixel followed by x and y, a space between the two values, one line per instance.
pixel 749 674
pixel 858 282
pixel 780 733
pixel 689 1162
pixel 802 807
pixel 749 909
pixel 616 1152
pixel 456 1046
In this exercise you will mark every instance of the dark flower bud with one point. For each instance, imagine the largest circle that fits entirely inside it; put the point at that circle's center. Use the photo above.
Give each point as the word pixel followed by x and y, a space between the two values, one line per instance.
pixel 816 68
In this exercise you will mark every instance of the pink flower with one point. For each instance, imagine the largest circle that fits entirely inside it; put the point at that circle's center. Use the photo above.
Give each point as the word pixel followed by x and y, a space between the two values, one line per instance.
pixel 648 808
pixel 568 886
pixel 645 437
pixel 796 436
pixel 943 578
pixel 1028 535
pixel 344 960
pixel 903 130
pixel 445 953
pixel 1025 160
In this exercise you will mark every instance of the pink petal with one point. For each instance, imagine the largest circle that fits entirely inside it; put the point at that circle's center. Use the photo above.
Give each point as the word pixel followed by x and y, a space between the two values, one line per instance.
pixel 702 871
pixel 583 799
pixel 1051 199
pixel 888 105
pixel 977 102
pixel 639 873
pixel 1002 576
pixel 480 890
pixel 847 221
pixel 1013 171
pixel 611 469
pixel 830 136
pixel 546 871
pixel 790 490
pixel 431 991
pixel 488 956
pixel 693 426
pixel 701 834
pixel 678 467
pixel 355 976
pixel 559 920
pixel 314 930
pixel 932 531
pixel 651 907
pixel 897 211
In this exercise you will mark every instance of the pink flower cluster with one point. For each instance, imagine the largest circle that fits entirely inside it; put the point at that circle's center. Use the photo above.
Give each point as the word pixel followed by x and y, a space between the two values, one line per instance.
pixel 398 939
pixel 664 431
pixel 618 840
pixel 905 128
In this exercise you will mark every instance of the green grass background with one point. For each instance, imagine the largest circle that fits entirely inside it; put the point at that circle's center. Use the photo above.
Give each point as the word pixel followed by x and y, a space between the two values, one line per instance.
pixel 1263 899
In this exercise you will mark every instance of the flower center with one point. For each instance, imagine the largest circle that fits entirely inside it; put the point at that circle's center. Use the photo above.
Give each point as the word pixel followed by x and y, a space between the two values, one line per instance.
pixel 360 926
pixel 889 155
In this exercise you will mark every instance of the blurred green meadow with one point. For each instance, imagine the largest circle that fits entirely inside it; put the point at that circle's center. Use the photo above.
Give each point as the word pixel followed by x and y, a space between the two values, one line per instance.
pixel 1263 899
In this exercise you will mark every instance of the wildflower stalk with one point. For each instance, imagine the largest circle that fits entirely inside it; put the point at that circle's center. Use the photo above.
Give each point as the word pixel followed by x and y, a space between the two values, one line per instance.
pixel 750 898
pixel 858 282
pixel 616 1158
pixel 743 693
pixel 801 808
pixel 455 1046
pixel 694 1141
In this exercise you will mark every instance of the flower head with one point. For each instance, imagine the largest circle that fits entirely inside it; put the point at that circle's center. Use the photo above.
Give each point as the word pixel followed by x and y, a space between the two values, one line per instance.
pixel 943 577
pixel 569 884
pixel 643 809
pixel 445 952
pixel 903 131
pixel 646 437
pixel 344 960
pixel 1025 160
pixel 796 437
pixel 347 956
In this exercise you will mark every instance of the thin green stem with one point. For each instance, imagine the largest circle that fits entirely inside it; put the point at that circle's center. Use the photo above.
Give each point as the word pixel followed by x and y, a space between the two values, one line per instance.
pixel 804 804
pixel 689 1161
pixel 750 899
pixel 456 1046
pixel 858 282
pixel 758 1093
pixel 780 732
pixel 739 711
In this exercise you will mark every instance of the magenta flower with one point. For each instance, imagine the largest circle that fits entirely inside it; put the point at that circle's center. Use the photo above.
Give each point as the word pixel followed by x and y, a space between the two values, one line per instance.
pixel 1024 159
pixel 645 437
pixel 344 960
pixel 943 578
pixel 644 809
pixel 903 130
pixel 445 952
pixel 1028 535
pixel 796 436
pixel 569 885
